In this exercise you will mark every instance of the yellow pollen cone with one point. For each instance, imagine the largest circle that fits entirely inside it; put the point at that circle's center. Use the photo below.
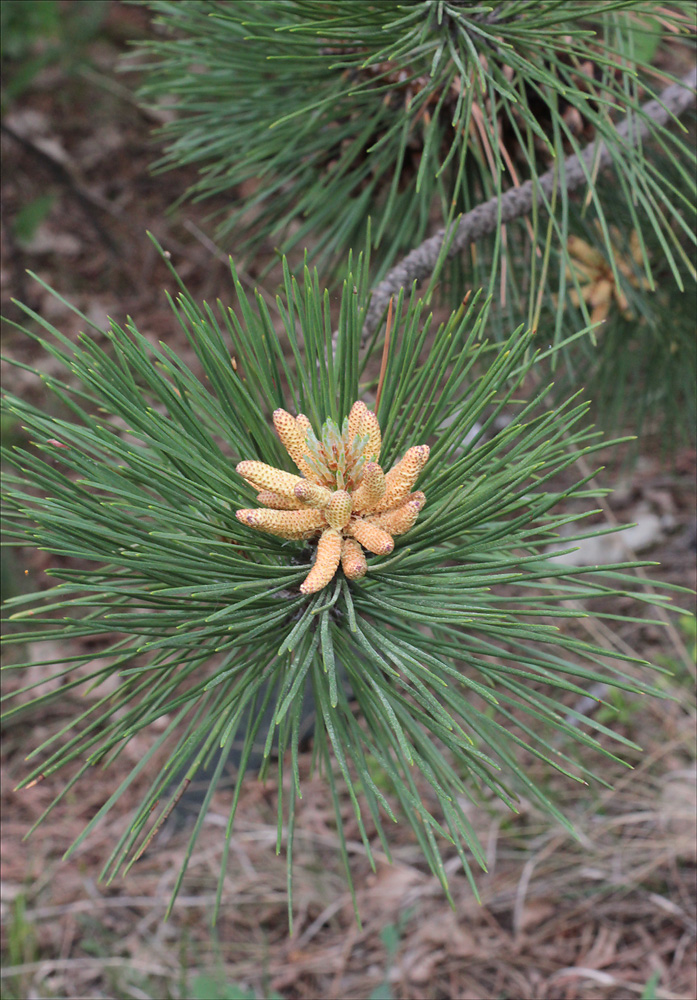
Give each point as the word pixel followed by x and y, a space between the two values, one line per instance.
pixel 268 478
pixel 326 563
pixel 401 519
pixel 379 507
pixel 371 490
pixel 371 537
pixel 358 411
pixel 318 496
pixel 269 499
pixel 292 437
pixel 371 427
pixel 294 524
pixel 400 479
pixel 353 561
pixel 338 510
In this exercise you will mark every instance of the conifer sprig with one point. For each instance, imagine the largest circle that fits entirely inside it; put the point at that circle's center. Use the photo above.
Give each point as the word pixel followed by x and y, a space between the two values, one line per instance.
pixel 441 662
pixel 338 110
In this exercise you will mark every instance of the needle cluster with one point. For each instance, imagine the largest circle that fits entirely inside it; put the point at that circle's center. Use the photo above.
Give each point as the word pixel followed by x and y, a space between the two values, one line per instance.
pixel 429 674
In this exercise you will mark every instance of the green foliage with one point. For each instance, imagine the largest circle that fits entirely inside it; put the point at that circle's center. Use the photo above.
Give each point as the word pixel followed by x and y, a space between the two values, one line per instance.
pixel 38 33
pixel 677 666
pixel 649 991
pixel 337 110
pixel 200 619
pixel 391 936
pixel 312 117
pixel 20 948
pixel 24 22
pixel 620 711
pixel 31 215
pixel 643 369
pixel 640 365
pixel 207 988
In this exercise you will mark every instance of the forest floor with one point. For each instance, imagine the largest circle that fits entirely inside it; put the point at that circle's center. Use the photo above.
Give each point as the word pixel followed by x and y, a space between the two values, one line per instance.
pixel 607 916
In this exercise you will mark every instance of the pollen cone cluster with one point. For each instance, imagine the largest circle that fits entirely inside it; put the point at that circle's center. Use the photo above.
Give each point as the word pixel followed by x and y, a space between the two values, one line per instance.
pixel 596 278
pixel 342 494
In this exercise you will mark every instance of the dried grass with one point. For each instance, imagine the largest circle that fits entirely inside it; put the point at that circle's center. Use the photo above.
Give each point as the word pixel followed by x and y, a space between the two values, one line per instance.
pixel 559 919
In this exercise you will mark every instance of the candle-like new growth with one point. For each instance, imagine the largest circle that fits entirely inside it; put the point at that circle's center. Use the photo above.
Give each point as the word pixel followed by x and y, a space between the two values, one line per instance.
pixel 269 478
pixel 326 563
pixel 267 498
pixel 343 495
pixel 285 523
pixel 353 561
pixel 371 490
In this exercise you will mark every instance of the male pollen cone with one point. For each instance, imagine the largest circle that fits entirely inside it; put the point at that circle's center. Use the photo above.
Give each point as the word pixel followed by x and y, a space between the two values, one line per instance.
pixel 269 499
pixel 326 563
pixel 358 411
pixel 313 493
pixel 342 495
pixel 371 537
pixel 353 561
pixel 402 477
pixel 269 478
pixel 371 490
pixel 401 519
pixel 292 437
pixel 295 524
pixel 338 510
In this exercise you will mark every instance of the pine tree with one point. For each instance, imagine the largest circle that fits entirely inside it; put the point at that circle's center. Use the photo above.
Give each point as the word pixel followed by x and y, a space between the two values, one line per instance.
pixel 359 510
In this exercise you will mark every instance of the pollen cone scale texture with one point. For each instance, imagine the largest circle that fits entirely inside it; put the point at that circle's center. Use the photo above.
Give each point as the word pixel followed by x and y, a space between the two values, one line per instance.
pixel 342 496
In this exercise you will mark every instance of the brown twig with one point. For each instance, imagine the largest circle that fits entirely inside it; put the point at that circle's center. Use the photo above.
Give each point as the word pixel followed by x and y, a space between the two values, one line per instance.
pixel 385 352
pixel 225 259
pixel 85 198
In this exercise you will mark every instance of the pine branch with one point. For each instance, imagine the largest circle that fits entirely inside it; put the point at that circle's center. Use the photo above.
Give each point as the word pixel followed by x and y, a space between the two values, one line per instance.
pixel 518 201
pixel 181 588
pixel 387 111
